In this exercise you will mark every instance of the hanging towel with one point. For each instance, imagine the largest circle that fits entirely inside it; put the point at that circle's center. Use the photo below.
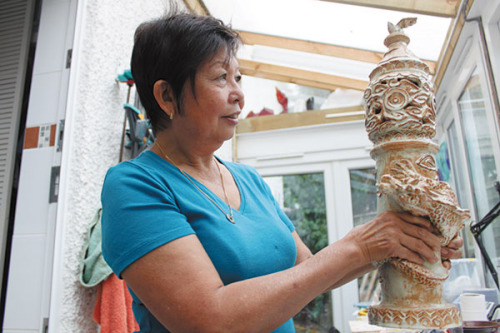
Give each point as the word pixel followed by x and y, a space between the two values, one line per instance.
pixel 93 268
pixel 113 309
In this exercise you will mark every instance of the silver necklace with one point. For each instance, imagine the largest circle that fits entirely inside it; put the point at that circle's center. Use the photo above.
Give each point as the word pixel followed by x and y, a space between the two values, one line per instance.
pixel 229 216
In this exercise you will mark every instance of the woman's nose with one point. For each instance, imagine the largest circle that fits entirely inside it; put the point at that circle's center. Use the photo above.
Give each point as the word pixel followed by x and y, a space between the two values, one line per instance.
pixel 237 95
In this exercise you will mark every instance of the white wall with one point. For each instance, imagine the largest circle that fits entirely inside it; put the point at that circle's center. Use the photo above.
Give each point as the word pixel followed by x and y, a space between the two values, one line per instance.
pixel 94 119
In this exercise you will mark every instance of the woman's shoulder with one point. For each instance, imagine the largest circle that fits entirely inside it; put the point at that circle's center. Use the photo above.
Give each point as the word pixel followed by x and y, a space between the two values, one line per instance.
pixel 248 175
pixel 146 166
pixel 242 169
pixel 145 162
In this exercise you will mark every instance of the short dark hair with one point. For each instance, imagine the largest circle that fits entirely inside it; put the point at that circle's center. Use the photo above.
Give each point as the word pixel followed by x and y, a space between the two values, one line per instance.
pixel 173 48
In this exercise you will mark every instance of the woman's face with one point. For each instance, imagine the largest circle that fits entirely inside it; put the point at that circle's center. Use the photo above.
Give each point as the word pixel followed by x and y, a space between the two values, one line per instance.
pixel 212 115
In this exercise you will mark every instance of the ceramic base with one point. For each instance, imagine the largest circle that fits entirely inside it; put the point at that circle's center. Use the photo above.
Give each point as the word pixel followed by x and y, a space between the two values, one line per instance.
pixel 447 316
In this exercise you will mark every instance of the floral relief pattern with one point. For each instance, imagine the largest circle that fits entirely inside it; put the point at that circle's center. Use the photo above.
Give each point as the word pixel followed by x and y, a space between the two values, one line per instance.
pixel 399 105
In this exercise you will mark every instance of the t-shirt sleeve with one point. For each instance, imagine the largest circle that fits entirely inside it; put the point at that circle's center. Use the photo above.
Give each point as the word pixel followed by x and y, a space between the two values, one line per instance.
pixel 283 216
pixel 268 193
pixel 139 214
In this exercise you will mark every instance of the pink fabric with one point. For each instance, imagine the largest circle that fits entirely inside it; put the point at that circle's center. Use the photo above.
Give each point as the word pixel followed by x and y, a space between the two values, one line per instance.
pixel 113 309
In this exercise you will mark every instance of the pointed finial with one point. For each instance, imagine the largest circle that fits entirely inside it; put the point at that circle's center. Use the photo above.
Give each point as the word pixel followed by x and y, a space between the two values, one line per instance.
pixel 396 33
pixel 402 24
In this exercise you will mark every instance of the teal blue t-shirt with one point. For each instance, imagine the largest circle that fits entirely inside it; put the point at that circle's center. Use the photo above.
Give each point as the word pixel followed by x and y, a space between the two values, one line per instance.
pixel 148 202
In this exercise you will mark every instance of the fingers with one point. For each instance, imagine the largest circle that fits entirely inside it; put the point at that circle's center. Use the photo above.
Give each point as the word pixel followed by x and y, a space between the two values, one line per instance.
pixel 421 246
pixel 422 233
pixel 448 253
pixel 454 249
pixel 410 255
pixel 418 239
pixel 447 264
pixel 404 236
pixel 397 235
pixel 417 220
pixel 456 243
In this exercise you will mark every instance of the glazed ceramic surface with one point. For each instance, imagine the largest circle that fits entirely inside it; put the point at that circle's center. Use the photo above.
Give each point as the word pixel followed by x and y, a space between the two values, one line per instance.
pixel 400 121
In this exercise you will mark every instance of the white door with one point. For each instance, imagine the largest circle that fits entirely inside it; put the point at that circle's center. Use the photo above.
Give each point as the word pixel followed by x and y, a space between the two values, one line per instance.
pixel 29 280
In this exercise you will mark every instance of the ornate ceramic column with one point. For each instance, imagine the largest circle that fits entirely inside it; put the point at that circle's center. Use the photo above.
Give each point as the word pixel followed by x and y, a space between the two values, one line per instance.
pixel 400 121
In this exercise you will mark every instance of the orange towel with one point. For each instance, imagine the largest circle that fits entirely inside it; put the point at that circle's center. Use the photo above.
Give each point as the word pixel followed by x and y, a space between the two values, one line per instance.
pixel 113 309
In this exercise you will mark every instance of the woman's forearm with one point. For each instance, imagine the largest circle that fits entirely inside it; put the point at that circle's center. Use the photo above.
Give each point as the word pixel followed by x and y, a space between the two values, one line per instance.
pixel 179 284
pixel 264 303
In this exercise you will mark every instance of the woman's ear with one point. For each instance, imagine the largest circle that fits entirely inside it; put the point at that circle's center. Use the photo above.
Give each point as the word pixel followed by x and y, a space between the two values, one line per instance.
pixel 164 97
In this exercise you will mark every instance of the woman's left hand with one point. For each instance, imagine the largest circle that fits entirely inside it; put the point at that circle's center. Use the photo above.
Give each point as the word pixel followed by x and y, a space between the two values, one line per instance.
pixel 452 251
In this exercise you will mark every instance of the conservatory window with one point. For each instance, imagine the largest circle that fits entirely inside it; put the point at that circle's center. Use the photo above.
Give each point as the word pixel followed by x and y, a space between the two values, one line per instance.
pixel 479 149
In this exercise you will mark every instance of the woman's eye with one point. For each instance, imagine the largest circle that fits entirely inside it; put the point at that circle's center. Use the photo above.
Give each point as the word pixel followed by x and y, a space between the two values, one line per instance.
pixel 238 78
pixel 223 76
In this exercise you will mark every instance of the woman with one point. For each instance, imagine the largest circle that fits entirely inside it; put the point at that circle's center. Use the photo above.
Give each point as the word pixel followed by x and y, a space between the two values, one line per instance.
pixel 201 243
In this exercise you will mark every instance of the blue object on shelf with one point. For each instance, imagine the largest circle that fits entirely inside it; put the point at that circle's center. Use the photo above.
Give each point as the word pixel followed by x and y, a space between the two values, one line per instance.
pixel 126 76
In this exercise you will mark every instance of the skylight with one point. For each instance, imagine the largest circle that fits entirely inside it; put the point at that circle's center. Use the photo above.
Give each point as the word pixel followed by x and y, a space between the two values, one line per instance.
pixel 332 23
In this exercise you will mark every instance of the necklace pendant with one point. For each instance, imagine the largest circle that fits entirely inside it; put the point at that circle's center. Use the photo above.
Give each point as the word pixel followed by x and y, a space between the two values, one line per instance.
pixel 229 217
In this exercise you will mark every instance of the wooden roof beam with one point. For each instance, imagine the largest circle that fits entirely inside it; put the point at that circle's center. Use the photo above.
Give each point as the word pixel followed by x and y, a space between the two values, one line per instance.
pixel 441 8
pixel 197 6
pixel 250 38
pixel 299 76
pixel 450 43
pixel 300 119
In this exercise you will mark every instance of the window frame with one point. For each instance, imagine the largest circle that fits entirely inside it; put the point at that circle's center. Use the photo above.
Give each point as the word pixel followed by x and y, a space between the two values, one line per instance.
pixel 464 63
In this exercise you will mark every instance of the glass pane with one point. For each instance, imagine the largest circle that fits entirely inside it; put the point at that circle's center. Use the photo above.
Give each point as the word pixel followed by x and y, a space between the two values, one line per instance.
pixel 302 198
pixel 459 184
pixel 363 195
pixel 364 209
pixel 443 163
pixel 262 94
pixel 478 141
pixel 480 156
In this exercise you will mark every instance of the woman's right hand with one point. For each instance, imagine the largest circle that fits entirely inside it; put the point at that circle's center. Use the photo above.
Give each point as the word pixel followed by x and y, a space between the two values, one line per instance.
pixel 396 235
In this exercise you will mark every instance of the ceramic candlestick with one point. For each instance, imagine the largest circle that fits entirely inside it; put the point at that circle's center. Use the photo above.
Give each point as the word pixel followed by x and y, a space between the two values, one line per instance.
pixel 400 121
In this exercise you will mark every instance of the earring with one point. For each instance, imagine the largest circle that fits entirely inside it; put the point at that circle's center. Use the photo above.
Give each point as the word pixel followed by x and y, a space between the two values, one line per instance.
pixel 171 116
